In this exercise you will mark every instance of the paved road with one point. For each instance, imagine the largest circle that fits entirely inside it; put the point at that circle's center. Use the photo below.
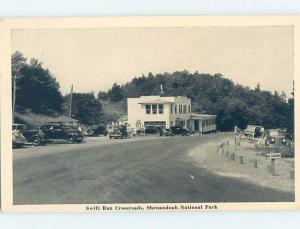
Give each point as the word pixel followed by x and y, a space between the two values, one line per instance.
pixel 141 170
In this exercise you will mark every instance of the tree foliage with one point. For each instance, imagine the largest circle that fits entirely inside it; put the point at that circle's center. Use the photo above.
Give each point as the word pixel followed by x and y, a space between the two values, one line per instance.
pixel 115 93
pixel 85 107
pixel 36 88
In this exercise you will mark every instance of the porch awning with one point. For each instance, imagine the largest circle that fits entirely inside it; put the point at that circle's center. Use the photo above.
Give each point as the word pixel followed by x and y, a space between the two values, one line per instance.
pixel 202 116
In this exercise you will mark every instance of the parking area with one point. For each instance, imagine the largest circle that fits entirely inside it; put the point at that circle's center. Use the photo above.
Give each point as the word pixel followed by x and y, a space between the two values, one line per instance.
pixel 153 169
pixel 29 150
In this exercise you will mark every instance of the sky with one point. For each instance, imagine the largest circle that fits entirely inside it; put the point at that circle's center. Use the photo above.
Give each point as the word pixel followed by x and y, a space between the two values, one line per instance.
pixel 93 59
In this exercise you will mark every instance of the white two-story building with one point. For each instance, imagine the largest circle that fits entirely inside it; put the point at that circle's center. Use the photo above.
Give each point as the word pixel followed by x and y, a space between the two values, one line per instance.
pixel 165 112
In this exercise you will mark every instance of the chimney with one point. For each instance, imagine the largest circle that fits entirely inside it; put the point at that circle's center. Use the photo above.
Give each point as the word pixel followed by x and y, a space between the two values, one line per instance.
pixel 161 89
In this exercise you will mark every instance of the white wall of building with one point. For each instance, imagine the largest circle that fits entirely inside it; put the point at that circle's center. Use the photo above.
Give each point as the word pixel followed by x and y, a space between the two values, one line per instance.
pixel 181 101
pixel 137 110
pixel 176 110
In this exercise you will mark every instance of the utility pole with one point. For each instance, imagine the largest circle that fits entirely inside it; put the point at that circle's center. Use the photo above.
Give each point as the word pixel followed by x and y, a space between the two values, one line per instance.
pixel 71 95
pixel 14 93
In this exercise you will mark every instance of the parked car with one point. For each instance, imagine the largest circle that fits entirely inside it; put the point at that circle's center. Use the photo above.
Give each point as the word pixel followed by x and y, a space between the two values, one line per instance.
pixel 253 131
pixel 95 131
pixel 179 130
pixel 167 132
pixel 119 131
pixel 32 135
pixel 60 131
pixel 277 137
pixel 154 130
pixel 18 139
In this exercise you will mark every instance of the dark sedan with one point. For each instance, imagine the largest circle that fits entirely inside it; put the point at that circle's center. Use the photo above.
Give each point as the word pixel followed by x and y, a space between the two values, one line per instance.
pixel 59 131
pixel 179 130
pixel 33 135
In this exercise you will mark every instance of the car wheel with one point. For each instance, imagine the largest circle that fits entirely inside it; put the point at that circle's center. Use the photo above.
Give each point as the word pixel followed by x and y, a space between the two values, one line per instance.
pixel 36 141
pixel 71 139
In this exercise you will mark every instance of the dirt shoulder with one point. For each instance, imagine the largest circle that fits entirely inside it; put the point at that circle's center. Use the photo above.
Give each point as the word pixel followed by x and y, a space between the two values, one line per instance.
pixel 220 162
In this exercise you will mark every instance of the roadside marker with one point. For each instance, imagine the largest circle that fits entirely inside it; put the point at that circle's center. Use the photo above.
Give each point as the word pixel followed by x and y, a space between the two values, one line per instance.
pixel 241 160
pixel 272 157
pixel 292 175
pixel 255 163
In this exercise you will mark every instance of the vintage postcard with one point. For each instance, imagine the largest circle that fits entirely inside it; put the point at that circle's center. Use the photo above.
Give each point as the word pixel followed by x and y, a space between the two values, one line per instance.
pixel 149 114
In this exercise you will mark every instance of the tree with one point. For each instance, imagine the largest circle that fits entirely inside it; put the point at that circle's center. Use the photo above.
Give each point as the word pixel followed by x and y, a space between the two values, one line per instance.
pixel 283 96
pixel 102 95
pixel 257 88
pixel 18 61
pixel 115 93
pixel 85 107
pixel 37 89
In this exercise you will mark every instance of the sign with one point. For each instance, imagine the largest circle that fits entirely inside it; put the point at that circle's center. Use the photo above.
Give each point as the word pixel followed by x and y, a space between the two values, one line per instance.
pixel 154 123
pixel 270 156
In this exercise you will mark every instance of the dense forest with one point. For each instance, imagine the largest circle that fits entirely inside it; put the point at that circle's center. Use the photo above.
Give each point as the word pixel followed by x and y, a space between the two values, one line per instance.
pixel 36 90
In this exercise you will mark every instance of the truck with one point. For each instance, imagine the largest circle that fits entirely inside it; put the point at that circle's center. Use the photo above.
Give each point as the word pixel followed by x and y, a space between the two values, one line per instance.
pixel 276 137
pixel 117 131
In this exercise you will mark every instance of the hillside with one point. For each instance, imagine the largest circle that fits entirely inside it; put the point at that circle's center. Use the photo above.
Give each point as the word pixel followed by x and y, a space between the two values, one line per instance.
pixel 112 111
pixel 32 119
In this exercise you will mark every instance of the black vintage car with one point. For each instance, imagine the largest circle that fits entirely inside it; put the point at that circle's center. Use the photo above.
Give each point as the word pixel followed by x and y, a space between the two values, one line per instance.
pixel 154 130
pixel 60 131
pixel 33 135
pixel 179 130
pixel 167 132
pixel 95 131
pixel 18 139
pixel 118 132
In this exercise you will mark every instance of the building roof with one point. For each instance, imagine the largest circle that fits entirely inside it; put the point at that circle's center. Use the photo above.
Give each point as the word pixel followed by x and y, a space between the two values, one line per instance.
pixel 62 118
pixel 202 116
pixel 157 101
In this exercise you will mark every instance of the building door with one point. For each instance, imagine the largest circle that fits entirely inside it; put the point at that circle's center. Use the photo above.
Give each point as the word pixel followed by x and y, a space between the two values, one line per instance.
pixel 196 125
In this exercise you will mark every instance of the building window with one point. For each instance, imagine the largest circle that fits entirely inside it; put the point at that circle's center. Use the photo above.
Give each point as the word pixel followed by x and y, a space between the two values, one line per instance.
pixel 171 108
pixel 161 108
pixel 184 109
pixel 154 108
pixel 189 109
pixel 175 108
pixel 171 123
pixel 148 109
pixel 180 109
